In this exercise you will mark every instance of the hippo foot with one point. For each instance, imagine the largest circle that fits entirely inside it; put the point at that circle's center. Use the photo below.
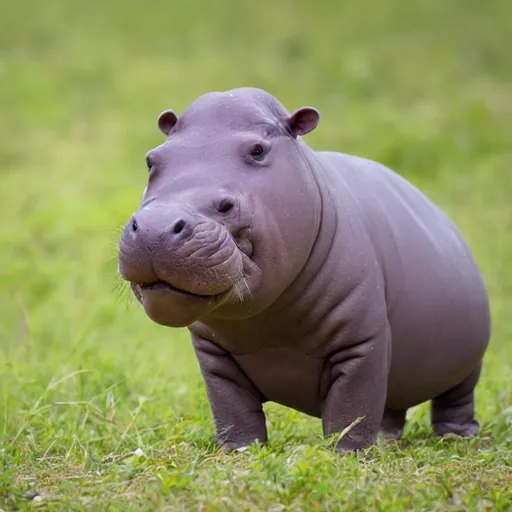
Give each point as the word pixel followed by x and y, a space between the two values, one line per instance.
pixel 470 429
pixel 346 448
pixel 392 426
pixel 352 444
pixel 232 446
pixel 392 435
pixel 454 411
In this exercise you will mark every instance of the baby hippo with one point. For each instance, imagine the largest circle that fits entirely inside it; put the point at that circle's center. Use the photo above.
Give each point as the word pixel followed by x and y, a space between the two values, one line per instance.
pixel 318 280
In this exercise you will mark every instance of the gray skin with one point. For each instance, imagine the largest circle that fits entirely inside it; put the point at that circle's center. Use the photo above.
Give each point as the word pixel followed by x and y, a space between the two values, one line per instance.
pixel 318 280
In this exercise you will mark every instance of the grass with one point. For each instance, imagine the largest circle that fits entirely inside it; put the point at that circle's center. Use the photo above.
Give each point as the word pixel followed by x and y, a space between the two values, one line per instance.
pixel 103 410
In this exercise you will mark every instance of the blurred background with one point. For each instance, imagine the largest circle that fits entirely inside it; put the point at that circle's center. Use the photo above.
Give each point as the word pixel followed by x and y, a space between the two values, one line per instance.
pixel 424 87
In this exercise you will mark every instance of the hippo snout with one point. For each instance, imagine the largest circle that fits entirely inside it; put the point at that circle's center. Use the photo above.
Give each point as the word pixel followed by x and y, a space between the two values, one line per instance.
pixel 153 226
pixel 184 252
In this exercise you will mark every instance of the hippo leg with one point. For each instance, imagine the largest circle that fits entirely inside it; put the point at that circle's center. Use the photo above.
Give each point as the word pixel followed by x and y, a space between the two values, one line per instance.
pixel 453 411
pixel 356 398
pixel 235 402
pixel 393 424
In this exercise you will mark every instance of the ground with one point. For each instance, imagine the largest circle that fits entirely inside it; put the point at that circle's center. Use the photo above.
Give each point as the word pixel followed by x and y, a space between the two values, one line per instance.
pixel 102 409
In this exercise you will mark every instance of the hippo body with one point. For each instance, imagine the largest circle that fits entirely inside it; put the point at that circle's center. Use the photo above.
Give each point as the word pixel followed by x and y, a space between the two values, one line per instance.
pixel 346 293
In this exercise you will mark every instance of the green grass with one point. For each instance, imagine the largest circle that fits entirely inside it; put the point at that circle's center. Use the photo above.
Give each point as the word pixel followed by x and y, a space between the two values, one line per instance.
pixel 86 379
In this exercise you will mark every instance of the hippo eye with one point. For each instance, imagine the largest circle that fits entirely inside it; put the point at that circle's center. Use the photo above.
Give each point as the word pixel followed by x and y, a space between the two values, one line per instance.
pixel 257 152
pixel 149 163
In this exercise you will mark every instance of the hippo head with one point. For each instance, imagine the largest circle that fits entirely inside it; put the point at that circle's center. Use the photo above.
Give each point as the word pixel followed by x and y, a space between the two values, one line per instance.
pixel 230 212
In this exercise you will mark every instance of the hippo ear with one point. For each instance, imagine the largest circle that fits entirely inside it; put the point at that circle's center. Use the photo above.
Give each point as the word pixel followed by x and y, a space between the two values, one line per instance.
pixel 303 121
pixel 166 121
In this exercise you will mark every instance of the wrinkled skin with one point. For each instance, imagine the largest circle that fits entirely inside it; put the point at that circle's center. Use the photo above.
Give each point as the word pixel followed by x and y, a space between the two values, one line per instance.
pixel 321 281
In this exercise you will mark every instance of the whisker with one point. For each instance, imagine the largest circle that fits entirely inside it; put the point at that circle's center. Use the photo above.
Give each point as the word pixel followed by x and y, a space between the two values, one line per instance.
pixel 238 293
pixel 244 280
pixel 122 291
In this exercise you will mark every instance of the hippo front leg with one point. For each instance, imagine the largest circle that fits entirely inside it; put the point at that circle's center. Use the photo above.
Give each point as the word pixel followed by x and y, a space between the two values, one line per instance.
pixel 235 402
pixel 357 394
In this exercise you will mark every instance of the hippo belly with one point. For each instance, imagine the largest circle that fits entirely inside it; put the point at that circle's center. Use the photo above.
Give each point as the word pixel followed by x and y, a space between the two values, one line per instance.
pixel 288 377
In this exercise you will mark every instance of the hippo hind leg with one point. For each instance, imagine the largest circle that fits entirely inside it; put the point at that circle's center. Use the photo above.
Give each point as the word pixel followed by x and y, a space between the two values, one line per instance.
pixel 453 412
pixel 393 423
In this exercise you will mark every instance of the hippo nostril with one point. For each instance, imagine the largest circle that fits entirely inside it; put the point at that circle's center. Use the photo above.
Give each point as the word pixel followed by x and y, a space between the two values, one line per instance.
pixel 178 227
pixel 226 205
pixel 135 226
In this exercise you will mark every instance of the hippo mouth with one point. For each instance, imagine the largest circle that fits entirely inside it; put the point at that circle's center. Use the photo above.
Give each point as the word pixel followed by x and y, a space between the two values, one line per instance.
pixel 164 285
pixel 169 305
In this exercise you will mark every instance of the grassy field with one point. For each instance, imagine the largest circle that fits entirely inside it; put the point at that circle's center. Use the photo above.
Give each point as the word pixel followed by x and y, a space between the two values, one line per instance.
pixel 102 409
